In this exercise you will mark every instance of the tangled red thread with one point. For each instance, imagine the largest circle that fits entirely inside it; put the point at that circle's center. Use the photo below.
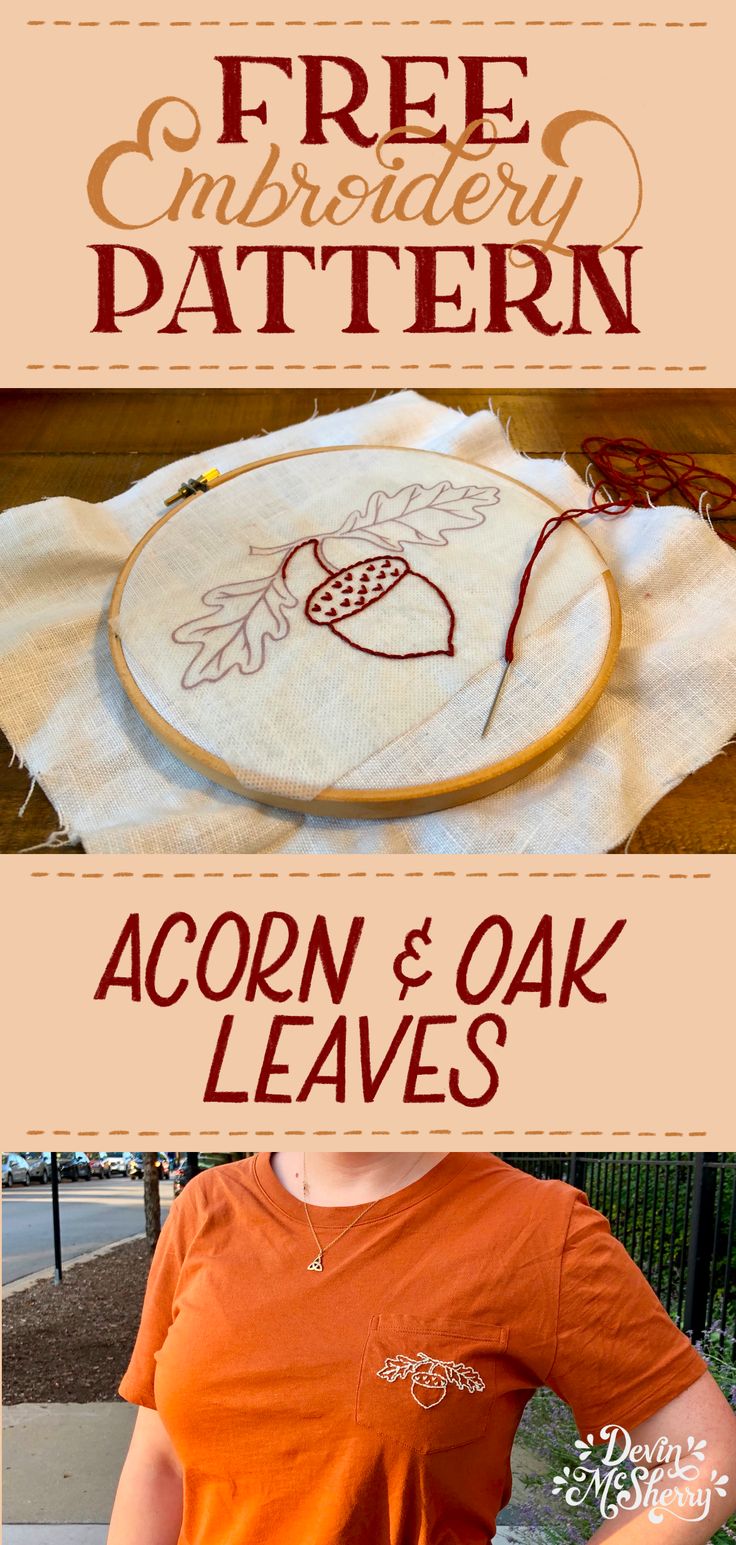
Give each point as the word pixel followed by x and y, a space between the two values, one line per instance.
pixel 635 470
pixel 637 473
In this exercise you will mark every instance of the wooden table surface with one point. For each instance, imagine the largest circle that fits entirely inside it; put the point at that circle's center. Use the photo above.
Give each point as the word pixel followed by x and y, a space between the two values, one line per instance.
pixel 91 445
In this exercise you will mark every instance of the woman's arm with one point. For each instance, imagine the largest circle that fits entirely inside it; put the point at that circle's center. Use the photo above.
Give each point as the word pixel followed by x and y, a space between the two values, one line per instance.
pixel 701 1412
pixel 149 1499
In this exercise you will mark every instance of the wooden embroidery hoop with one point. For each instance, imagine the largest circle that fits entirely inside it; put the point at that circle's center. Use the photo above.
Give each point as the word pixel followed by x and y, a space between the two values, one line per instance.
pixel 376 804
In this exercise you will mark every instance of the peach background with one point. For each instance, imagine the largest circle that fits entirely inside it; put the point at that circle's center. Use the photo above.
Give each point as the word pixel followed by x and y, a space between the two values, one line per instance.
pixel 643 1071
pixel 81 75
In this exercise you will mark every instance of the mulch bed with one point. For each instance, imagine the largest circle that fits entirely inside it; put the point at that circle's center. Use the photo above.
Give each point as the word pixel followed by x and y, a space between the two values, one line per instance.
pixel 72 1342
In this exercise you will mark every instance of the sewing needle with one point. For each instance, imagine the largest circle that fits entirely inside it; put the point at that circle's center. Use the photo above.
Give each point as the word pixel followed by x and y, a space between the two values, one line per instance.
pixel 494 704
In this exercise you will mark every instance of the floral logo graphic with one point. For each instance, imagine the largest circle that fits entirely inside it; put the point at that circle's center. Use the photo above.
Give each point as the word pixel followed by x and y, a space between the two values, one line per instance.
pixel 662 1478
pixel 377 603
pixel 430 1377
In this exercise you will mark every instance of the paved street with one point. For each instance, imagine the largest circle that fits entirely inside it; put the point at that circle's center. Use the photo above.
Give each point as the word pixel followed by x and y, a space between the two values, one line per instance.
pixel 94 1213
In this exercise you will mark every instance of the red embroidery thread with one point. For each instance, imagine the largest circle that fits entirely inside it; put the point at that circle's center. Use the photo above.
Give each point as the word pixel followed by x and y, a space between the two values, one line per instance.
pixel 637 471
pixel 386 574
pixel 245 616
pixel 633 469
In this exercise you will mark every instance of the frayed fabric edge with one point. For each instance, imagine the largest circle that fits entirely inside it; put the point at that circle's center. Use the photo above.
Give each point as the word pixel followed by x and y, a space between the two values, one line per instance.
pixel 63 835
pixel 26 802
pixel 61 838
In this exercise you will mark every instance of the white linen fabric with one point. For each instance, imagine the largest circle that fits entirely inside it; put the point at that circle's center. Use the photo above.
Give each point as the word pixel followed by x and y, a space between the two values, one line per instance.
pixel 669 707
pixel 289 706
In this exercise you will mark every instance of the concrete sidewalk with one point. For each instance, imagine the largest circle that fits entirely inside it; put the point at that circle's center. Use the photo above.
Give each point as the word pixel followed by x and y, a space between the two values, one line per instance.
pixel 61 1463
pixel 54 1534
pixel 60 1469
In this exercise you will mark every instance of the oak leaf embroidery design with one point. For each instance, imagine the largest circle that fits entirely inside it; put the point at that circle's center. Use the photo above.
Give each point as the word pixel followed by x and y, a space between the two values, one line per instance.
pixel 430 1377
pixel 368 604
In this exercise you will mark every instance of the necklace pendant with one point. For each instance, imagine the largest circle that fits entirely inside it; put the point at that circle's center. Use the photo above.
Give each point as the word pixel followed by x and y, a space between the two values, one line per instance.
pixel 316 1264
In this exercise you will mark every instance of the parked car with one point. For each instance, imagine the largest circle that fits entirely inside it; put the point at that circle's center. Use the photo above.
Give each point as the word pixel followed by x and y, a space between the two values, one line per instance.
pixel 99 1166
pixel 16 1171
pixel 135 1166
pixel 181 1174
pixel 39 1165
pixel 118 1163
pixel 74 1166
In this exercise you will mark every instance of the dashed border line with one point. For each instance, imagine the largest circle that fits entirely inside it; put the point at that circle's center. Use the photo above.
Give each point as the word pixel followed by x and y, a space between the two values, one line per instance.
pixel 366 874
pixel 358 1132
pixel 433 21
pixel 428 365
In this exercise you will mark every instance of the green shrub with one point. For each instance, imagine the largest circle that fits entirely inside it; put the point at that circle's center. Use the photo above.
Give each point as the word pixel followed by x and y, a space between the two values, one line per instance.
pixel 548 1431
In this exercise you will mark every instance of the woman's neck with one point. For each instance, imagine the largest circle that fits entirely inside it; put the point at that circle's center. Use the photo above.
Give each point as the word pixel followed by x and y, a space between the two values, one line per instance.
pixel 344 1179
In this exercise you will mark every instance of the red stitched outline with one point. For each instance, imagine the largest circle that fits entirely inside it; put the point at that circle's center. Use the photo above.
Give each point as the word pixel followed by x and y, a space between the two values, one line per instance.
pixel 380 654
pixel 315 543
pixel 309 541
pixel 416 654
pixel 347 568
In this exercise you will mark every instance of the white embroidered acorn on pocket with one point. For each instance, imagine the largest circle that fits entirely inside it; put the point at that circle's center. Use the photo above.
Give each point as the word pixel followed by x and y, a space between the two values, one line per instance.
pixel 430 1377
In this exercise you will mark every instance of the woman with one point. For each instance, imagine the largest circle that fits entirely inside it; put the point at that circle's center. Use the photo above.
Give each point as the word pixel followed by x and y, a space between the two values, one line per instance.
pixel 338 1348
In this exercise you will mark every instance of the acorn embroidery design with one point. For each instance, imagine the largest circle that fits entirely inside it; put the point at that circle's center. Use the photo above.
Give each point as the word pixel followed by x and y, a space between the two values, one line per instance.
pixel 388 583
pixel 430 1377
pixel 377 604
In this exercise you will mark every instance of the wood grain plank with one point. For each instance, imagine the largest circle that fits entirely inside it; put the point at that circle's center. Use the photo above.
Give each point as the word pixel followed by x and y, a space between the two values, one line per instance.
pixel 178 422
pixel 24 479
pixel 700 422
pixel 36 825
pixel 699 816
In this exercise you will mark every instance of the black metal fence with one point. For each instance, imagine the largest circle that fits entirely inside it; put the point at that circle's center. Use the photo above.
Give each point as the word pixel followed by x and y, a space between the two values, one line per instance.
pixel 676 1215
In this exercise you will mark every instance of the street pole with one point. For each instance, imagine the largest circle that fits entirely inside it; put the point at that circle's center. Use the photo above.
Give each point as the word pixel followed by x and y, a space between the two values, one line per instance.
pixel 56 1218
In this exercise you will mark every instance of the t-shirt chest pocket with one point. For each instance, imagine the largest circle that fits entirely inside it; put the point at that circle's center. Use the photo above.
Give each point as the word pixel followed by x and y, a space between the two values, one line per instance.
pixel 429 1385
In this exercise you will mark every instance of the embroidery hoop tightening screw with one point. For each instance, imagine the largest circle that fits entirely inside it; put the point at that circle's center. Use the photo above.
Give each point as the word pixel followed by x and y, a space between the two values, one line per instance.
pixel 193 485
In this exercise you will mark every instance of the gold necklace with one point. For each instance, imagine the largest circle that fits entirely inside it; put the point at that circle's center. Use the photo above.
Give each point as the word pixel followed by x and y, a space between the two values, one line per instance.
pixel 316 1264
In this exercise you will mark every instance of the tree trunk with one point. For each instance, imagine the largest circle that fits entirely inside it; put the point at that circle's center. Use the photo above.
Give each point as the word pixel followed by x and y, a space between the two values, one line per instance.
pixel 151 1199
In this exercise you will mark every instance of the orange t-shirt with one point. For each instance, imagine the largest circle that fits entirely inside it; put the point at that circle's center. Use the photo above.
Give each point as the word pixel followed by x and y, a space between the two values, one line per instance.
pixel 376 1403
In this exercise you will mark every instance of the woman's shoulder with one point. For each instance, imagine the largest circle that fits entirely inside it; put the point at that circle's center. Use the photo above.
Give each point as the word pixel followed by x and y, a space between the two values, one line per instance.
pixel 547 1206
pixel 214 1188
